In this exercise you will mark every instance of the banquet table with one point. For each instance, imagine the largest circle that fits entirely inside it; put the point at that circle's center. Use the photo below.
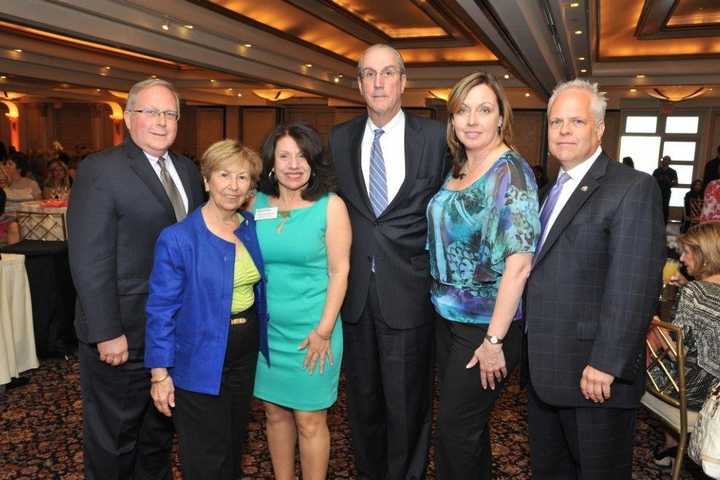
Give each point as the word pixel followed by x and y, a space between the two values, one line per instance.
pixel 17 341
pixel 52 294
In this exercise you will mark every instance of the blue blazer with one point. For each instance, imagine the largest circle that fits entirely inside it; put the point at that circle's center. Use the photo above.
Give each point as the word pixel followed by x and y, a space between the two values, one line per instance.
pixel 188 308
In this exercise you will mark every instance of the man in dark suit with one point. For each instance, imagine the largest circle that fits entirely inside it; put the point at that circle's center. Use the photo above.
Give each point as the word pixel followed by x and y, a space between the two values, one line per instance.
pixel 121 199
pixel 389 164
pixel 589 298
pixel 712 169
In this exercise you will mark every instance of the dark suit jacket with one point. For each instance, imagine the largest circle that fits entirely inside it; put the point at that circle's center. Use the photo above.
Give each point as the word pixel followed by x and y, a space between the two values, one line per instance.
pixel 397 238
pixel 117 209
pixel 594 286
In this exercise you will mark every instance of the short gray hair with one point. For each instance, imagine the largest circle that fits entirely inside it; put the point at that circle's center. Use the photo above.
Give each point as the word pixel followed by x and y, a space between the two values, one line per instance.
pixel 598 100
pixel 377 46
pixel 150 82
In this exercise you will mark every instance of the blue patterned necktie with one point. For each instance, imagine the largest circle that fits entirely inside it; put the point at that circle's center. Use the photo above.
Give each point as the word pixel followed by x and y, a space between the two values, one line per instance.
pixel 378 181
pixel 549 205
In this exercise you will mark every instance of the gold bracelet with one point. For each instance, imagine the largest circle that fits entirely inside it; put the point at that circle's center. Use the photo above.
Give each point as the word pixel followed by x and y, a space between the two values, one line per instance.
pixel 167 375
pixel 320 335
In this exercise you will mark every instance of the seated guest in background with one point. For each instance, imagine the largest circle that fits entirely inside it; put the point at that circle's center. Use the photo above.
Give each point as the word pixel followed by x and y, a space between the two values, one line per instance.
pixel 711 203
pixel 482 230
pixel 306 248
pixel 697 311
pixel 9 228
pixel 207 317
pixel 693 206
pixel 712 169
pixel 20 188
pixel 628 161
pixel 58 183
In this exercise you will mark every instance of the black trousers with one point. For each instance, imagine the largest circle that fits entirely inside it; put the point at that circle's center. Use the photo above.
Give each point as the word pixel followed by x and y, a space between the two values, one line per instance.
pixel 212 429
pixel 124 436
pixel 389 394
pixel 463 445
pixel 593 443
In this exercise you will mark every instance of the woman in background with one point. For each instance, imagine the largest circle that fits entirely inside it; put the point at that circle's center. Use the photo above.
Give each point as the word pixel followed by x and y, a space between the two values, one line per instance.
pixel 58 182
pixel 305 236
pixel 19 188
pixel 483 227
pixel 693 205
pixel 698 313
pixel 207 317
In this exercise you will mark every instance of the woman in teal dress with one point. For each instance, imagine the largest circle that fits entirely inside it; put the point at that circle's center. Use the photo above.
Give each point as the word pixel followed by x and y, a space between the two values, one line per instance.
pixel 304 233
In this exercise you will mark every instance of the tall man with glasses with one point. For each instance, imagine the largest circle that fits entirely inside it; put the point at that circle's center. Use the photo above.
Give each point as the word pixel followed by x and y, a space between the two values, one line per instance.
pixel 121 199
pixel 389 164
pixel 589 298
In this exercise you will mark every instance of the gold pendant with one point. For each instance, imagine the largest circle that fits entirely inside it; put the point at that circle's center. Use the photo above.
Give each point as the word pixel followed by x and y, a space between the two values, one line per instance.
pixel 284 217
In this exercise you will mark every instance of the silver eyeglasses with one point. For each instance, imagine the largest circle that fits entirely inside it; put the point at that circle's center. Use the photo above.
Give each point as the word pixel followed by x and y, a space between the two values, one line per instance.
pixel 387 73
pixel 171 115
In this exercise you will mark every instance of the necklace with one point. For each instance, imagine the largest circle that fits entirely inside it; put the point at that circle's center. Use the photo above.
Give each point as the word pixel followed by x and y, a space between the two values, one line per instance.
pixel 284 217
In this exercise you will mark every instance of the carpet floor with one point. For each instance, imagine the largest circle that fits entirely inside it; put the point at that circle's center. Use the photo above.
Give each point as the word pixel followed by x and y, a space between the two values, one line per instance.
pixel 41 430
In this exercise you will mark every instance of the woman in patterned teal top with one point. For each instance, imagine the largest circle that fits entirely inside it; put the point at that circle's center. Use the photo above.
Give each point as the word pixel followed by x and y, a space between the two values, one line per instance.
pixel 482 230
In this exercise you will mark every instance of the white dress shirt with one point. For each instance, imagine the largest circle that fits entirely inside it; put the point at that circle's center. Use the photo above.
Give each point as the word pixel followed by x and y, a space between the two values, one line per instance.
pixel 392 143
pixel 576 174
pixel 170 166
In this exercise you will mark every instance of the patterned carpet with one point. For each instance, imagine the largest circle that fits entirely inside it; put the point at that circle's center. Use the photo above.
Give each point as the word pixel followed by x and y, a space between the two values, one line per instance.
pixel 40 434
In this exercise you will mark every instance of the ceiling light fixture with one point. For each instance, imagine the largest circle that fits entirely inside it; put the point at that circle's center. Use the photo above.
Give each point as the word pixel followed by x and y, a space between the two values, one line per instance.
pixel 247 45
pixel 189 27
pixel 677 93
pixel 578 32
pixel 527 94
pixel 18 50
pixel 273 94
pixel 640 75
pixel 2 77
pixel 440 93
pixel 165 27
pixel 633 90
pixel 574 5
pixel 583 70
pixel 308 65
pixel 582 59
pixel 506 76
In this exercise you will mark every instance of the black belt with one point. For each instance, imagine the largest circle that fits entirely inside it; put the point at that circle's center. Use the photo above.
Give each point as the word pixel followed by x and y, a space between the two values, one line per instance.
pixel 240 318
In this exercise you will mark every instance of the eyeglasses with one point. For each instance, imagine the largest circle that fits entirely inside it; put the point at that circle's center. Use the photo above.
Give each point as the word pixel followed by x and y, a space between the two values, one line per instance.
pixel 575 123
pixel 387 73
pixel 153 113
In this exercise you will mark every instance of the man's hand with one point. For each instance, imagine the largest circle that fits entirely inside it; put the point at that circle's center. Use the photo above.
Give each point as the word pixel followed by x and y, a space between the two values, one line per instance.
pixel 114 351
pixel 595 385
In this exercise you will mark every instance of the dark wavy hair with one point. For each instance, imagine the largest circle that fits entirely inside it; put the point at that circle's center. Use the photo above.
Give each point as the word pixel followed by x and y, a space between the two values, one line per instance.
pixel 322 172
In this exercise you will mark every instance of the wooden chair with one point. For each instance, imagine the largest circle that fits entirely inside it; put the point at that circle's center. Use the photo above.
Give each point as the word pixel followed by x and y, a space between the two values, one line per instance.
pixel 667 398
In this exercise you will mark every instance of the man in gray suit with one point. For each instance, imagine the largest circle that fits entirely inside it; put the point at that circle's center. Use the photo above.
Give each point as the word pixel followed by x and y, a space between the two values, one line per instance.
pixel 389 164
pixel 590 297
pixel 121 199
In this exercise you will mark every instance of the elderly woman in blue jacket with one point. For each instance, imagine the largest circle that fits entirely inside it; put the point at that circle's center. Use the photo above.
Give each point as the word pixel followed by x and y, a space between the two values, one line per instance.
pixel 207 317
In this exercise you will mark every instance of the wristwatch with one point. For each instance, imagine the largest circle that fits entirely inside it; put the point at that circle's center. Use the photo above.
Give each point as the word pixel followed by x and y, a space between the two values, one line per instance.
pixel 494 340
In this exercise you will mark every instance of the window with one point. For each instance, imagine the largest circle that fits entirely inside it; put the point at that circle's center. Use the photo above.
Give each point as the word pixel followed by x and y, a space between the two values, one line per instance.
pixel 644 151
pixel 679 151
pixel 682 125
pixel 645 124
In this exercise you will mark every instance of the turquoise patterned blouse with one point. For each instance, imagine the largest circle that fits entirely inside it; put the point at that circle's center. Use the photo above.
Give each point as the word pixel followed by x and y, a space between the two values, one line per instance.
pixel 472 231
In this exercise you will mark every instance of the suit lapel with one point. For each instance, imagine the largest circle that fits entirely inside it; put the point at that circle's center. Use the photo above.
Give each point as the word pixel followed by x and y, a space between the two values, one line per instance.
pixel 141 166
pixel 414 144
pixel 589 183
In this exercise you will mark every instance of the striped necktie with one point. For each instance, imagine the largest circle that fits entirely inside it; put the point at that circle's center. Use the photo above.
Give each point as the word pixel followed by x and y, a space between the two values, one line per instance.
pixel 378 181
pixel 171 190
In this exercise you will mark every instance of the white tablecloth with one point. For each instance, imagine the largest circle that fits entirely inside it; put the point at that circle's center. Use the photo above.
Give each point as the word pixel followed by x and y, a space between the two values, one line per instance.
pixel 17 340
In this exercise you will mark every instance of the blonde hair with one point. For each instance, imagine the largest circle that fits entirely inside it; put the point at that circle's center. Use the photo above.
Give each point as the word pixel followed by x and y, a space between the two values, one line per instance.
pixel 704 242
pixel 229 150
pixel 457 96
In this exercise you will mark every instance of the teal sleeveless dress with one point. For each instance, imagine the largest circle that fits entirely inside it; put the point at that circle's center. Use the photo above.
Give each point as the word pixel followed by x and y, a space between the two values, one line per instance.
pixel 295 256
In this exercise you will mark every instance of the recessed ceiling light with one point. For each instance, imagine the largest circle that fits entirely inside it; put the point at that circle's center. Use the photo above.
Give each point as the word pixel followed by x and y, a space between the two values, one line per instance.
pixel 574 5
pixel 239 94
pixel 308 65
pixel 189 27
pixel 97 90
pixel 212 80
pixel 247 45
pixel 640 75
pixel 578 32
pixel 633 90
pixel 153 76
pixel 583 70
pixel 527 94
pixel 103 74
pixel 18 50
pixel 165 27
pixel 2 77
pixel 107 67
pixel 582 59
pixel 336 79
pixel 506 76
